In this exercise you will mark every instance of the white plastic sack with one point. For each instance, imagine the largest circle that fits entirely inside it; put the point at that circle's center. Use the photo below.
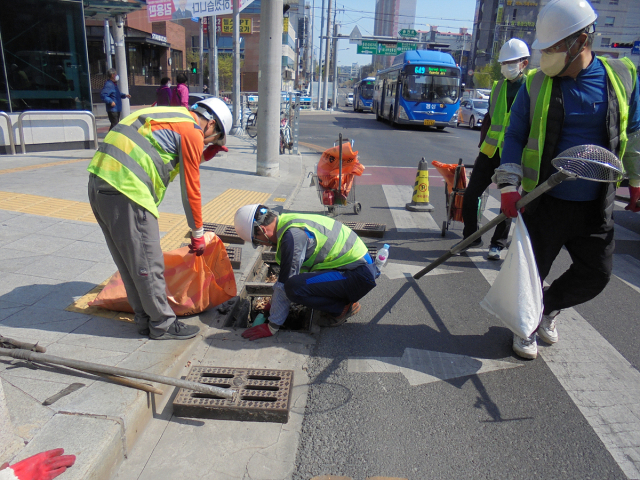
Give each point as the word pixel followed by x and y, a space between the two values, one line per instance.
pixel 516 295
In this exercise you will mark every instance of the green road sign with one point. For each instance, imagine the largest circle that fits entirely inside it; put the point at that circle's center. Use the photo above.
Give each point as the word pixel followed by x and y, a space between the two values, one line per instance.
pixel 406 47
pixel 408 32
pixel 368 47
pixel 387 48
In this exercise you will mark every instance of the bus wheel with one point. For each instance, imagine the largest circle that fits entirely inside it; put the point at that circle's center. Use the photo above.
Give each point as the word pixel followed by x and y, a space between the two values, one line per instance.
pixel 378 117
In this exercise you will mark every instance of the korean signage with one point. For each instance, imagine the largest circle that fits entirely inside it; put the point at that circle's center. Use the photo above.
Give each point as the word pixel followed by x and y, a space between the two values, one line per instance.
pixel 372 47
pixel 225 25
pixel 406 47
pixel 285 24
pixel 160 10
pixel 387 49
pixel 519 3
pixel 368 47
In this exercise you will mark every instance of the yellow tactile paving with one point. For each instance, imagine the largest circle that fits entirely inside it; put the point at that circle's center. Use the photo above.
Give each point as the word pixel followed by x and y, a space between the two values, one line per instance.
pixel 82 306
pixel 43 165
pixel 66 209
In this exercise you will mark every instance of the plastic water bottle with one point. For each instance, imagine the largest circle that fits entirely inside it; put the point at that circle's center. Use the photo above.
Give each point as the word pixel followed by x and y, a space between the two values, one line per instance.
pixel 383 254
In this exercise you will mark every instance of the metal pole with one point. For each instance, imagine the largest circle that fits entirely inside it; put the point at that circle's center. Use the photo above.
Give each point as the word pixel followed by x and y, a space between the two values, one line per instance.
pixel 201 59
pixel 121 62
pixel 313 26
pixel 212 60
pixel 296 125
pixel 325 87
pixel 269 88
pixel 320 54
pixel 216 84
pixel 237 128
pixel 335 65
pixel 109 370
pixel 107 43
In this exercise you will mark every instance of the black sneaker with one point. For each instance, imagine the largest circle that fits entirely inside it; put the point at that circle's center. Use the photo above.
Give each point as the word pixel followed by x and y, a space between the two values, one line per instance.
pixel 177 331
pixel 477 243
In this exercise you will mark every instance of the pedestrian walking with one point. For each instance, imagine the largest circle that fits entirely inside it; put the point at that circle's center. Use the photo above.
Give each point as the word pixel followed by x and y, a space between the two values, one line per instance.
pixel 163 94
pixel 180 94
pixel 112 97
pixel 513 58
pixel 576 98
pixel 130 173
pixel 324 265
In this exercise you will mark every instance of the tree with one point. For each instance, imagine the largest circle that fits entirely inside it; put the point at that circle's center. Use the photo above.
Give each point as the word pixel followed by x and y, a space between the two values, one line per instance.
pixel 485 76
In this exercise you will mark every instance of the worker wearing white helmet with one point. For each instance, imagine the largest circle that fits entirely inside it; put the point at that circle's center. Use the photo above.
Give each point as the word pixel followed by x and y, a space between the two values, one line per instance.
pixel 130 174
pixel 513 58
pixel 324 265
pixel 575 99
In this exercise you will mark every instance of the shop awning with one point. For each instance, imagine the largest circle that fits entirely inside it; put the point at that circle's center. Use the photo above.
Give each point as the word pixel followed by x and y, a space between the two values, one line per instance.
pixel 101 9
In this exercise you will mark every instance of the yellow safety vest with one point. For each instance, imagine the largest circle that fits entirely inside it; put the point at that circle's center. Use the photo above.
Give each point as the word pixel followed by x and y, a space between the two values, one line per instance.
pixel 336 244
pixel 622 76
pixel 132 161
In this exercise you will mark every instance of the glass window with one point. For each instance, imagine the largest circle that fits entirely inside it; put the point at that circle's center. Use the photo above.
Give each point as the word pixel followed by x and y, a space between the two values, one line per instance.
pixel 613 2
pixel 610 21
pixel 45 51
pixel 605 41
pixel 430 88
pixel 366 90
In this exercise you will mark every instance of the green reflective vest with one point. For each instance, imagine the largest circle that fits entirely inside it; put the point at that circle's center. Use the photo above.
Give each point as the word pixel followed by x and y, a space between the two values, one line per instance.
pixel 499 119
pixel 621 76
pixel 336 244
pixel 132 161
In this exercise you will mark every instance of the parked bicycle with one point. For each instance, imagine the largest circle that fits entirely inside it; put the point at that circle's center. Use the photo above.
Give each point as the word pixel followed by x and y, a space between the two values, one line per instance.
pixel 252 125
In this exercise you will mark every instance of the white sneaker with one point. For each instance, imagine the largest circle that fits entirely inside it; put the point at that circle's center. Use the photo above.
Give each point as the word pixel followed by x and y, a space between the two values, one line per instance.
pixel 547 330
pixel 525 347
pixel 494 253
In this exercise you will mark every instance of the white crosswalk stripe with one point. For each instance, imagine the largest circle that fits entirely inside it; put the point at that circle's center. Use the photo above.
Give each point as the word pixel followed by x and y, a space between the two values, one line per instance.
pixel 405 221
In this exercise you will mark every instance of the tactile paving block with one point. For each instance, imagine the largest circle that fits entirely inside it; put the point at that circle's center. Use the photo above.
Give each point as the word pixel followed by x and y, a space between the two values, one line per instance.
pixel 373 230
pixel 227 233
pixel 262 395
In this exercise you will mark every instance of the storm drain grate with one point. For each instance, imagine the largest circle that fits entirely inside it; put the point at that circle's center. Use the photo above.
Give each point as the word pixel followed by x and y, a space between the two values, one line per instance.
pixel 234 254
pixel 227 233
pixel 262 395
pixel 373 230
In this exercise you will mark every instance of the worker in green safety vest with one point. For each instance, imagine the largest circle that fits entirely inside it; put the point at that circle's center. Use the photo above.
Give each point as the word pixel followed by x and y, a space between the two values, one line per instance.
pixel 575 99
pixel 130 174
pixel 324 265
pixel 513 59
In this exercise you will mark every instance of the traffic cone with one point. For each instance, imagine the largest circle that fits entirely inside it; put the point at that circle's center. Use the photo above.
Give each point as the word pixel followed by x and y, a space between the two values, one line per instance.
pixel 420 199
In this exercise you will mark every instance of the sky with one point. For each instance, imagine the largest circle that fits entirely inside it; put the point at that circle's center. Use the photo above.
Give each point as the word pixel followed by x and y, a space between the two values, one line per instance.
pixel 448 15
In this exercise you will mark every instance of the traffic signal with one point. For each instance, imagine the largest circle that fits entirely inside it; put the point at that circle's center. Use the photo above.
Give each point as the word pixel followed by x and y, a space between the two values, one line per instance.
pixel 194 67
pixel 621 45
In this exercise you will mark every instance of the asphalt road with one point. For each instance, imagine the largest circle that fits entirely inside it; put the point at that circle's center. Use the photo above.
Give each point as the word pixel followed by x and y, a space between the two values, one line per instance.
pixel 423 384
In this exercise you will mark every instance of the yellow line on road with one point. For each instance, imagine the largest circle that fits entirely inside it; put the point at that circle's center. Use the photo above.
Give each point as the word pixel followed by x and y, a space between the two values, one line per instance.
pixel 42 165
pixel 313 146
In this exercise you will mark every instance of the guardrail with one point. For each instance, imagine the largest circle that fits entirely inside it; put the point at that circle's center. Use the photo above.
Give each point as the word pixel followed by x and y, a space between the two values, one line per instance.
pixel 12 142
pixel 49 113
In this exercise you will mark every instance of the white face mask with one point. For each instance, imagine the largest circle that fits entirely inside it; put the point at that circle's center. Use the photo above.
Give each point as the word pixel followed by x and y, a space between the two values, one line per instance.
pixel 552 63
pixel 511 71
pixel 168 85
pixel 117 77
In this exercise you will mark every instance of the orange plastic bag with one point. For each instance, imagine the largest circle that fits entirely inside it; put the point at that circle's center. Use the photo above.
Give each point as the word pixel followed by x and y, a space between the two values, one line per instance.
pixel 329 168
pixel 448 172
pixel 194 284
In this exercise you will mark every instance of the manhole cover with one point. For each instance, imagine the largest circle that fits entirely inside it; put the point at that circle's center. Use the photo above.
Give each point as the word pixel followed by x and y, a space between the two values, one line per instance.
pixel 262 395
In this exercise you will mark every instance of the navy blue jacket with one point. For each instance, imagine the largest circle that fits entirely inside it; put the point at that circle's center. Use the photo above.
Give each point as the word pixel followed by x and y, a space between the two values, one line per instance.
pixel 111 93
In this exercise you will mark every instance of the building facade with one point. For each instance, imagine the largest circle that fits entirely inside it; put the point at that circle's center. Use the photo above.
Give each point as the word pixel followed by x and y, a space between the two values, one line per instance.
pixel 391 16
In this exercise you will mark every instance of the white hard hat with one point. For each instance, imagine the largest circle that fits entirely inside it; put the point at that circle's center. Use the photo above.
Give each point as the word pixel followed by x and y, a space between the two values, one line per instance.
pixel 514 49
pixel 220 112
pixel 245 219
pixel 558 19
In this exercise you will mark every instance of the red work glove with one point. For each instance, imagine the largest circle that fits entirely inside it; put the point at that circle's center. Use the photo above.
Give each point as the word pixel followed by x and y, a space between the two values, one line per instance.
pixel 634 196
pixel 212 150
pixel 43 466
pixel 197 245
pixel 261 331
pixel 508 197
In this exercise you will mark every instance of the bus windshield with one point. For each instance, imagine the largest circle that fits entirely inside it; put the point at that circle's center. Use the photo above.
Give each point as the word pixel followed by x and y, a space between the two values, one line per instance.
pixel 366 90
pixel 430 88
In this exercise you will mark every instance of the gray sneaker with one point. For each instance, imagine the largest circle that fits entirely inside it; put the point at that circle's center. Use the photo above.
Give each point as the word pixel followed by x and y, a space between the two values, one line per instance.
pixel 494 253
pixel 177 331
pixel 547 330
pixel 525 347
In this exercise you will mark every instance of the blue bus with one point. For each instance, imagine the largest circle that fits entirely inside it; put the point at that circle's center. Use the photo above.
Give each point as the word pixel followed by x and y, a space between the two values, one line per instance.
pixel 363 94
pixel 422 87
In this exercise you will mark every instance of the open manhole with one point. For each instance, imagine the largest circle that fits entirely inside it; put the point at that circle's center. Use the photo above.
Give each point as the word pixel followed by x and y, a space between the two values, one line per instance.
pixel 262 395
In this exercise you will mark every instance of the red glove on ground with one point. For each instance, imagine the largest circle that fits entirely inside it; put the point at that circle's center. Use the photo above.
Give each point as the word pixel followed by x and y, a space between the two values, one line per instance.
pixel 634 196
pixel 261 331
pixel 197 245
pixel 212 150
pixel 508 198
pixel 43 466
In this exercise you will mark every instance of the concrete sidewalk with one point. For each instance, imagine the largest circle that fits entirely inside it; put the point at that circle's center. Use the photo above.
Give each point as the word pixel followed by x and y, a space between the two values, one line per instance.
pixel 52 253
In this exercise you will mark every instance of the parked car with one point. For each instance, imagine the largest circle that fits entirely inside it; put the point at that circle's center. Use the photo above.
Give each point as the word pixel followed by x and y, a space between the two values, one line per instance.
pixel 472 112
pixel 196 97
pixel 349 100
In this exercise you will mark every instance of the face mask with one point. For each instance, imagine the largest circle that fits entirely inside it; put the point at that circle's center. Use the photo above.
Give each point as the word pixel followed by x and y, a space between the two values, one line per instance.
pixel 168 85
pixel 117 77
pixel 511 71
pixel 553 64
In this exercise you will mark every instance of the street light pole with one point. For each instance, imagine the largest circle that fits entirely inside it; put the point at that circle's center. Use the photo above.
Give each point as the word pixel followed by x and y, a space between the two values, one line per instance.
pixel 237 126
pixel 325 89
pixel 335 65
pixel 320 54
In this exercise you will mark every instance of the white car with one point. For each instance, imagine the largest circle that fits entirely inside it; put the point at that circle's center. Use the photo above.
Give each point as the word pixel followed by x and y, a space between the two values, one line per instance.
pixel 349 100
pixel 472 112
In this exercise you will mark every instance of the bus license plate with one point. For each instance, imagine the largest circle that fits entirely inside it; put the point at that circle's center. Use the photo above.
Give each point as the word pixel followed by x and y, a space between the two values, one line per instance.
pixel 429 122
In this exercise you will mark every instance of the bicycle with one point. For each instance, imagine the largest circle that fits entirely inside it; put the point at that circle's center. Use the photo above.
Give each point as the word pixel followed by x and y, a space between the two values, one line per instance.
pixel 251 126
pixel 286 139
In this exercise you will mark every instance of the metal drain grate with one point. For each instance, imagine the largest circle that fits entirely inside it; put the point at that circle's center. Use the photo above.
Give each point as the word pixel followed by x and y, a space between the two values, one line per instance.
pixel 234 254
pixel 373 230
pixel 227 233
pixel 263 395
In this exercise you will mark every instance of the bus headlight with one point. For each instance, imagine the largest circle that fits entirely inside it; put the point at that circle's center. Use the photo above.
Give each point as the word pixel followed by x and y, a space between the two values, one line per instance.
pixel 401 113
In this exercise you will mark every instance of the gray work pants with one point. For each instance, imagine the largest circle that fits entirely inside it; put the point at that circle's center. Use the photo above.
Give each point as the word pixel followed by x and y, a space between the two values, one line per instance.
pixel 133 238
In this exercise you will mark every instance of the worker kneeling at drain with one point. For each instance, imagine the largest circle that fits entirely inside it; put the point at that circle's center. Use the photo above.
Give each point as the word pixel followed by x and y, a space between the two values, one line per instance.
pixel 324 265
